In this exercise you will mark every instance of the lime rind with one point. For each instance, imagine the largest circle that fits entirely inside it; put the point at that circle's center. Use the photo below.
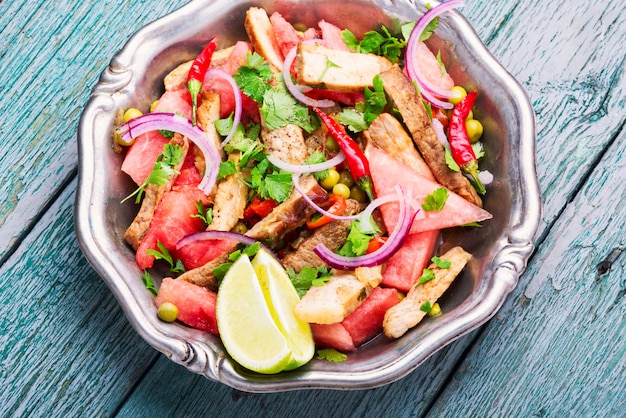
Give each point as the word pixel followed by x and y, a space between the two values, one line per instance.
pixel 247 328
pixel 281 298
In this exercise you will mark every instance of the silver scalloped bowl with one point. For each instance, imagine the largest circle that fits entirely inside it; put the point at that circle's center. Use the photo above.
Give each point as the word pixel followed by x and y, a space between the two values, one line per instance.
pixel 501 248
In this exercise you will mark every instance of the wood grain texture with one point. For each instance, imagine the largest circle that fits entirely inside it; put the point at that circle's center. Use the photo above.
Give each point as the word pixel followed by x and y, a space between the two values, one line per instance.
pixel 565 324
pixel 46 74
pixel 66 348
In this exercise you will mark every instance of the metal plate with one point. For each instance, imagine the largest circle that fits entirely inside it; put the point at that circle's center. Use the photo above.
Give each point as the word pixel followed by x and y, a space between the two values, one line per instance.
pixel 501 248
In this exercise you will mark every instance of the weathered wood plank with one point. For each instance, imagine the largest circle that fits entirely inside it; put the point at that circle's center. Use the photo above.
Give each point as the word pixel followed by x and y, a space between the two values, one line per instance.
pixel 46 74
pixel 66 348
pixel 556 348
pixel 567 62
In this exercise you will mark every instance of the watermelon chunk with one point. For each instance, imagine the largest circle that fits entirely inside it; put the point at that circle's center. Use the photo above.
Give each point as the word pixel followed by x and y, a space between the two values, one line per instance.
pixel 172 221
pixel 332 336
pixel 196 305
pixel 286 35
pixel 366 321
pixel 189 174
pixel 331 35
pixel 199 253
pixel 388 172
pixel 237 57
pixel 175 101
pixel 405 267
pixel 140 157
pixel 429 67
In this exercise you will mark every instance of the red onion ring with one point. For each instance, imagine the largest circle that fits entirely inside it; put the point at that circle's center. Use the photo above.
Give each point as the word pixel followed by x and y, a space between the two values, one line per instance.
pixel 219 73
pixel 427 90
pixel 307 168
pixel 175 123
pixel 295 89
pixel 393 243
pixel 220 235
pixel 295 178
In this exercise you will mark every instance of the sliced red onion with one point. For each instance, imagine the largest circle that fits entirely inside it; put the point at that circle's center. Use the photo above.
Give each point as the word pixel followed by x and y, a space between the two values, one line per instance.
pixel 176 123
pixel 441 133
pixel 427 90
pixel 379 256
pixel 219 73
pixel 295 178
pixel 307 168
pixel 295 89
pixel 485 177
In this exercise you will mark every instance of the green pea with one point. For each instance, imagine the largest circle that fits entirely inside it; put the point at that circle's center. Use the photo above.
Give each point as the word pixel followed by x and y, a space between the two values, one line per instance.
pixel 346 178
pixel 462 93
pixel 331 144
pixel 167 312
pixel 358 194
pixel 474 129
pixel 342 190
pixel 240 228
pixel 331 179
pixel 131 113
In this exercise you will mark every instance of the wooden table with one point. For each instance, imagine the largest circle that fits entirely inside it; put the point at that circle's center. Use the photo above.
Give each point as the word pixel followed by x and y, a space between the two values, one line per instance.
pixel 556 348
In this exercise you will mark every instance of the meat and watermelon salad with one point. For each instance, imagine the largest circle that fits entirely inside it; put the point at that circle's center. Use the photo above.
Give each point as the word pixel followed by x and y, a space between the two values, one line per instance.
pixel 343 157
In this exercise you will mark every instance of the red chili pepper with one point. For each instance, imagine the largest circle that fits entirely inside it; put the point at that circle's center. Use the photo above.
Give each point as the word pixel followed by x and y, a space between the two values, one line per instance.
pixel 357 162
pixel 460 144
pixel 196 74
pixel 338 206
pixel 260 208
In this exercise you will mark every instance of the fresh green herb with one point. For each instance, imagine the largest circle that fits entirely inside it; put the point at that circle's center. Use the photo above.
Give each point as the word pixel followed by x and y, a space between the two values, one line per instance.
pixel 204 213
pixel 162 170
pixel 147 281
pixel 473 224
pixel 442 264
pixel 381 43
pixel 357 240
pixel 268 182
pixel 255 77
pixel 328 65
pixel 227 168
pixel 427 275
pixel 307 277
pixel 407 28
pixel 375 101
pixel 220 271
pixel 163 254
pixel 317 157
pixel 435 201
pixel 330 354
pixel 441 64
pixel 479 151
pixel 426 307
pixel 166 134
pixel 280 108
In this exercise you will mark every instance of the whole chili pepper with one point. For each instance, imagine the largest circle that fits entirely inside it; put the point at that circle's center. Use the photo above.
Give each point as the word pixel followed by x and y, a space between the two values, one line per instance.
pixel 460 143
pixel 357 162
pixel 196 74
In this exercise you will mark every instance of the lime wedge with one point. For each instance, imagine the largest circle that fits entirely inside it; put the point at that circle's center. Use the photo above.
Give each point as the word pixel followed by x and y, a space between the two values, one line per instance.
pixel 246 325
pixel 281 297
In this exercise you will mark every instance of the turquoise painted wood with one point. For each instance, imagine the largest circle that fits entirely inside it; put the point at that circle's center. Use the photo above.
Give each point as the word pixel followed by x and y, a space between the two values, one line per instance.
pixel 555 349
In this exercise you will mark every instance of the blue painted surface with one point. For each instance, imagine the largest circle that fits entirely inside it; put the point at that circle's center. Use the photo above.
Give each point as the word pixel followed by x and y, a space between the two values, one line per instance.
pixel 553 350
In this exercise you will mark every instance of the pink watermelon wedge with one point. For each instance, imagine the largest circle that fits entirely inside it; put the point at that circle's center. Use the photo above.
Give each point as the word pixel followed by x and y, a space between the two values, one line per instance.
pixel 388 172
pixel 405 267
pixel 140 157
pixel 286 35
pixel 332 336
pixel 196 305
pixel 366 321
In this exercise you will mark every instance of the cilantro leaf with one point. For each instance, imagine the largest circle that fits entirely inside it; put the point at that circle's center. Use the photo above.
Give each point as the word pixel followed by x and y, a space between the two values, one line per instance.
pixel 330 354
pixel 427 275
pixel 307 277
pixel 353 120
pixel 442 264
pixel 426 307
pixel 407 28
pixel 227 168
pixel 435 201
pixel 206 214
pixel 357 241
pixel 375 101
pixel 317 157
pixel 254 78
pixel 280 108
pixel 149 283
pixel 276 186
pixel 381 43
pixel 163 254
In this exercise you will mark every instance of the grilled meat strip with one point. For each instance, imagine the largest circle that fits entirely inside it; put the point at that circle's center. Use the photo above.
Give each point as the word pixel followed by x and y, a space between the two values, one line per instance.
pixel 262 37
pixel 152 196
pixel 402 92
pixel 388 134
pixel 285 217
pixel 332 235
pixel 230 200
pixel 351 74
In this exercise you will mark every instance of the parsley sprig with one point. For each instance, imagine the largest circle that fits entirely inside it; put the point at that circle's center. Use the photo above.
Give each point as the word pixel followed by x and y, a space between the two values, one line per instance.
pixel 307 277
pixel 364 113
pixel 381 43
pixel 163 254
